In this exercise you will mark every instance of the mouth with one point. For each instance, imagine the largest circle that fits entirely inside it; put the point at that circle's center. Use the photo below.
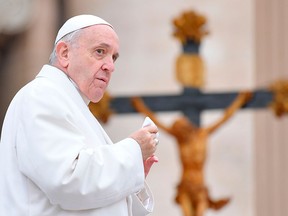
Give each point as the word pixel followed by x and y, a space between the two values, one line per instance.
pixel 103 79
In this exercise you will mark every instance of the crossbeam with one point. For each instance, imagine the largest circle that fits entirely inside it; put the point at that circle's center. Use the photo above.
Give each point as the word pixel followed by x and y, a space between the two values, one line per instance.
pixel 191 102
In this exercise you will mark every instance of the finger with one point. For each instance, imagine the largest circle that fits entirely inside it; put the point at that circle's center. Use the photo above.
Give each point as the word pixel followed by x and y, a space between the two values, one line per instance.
pixel 151 160
pixel 148 163
pixel 154 136
pixel 152 128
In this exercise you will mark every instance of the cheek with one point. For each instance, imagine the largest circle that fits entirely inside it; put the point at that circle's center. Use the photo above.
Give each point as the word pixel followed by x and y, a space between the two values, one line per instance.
pixel 87 74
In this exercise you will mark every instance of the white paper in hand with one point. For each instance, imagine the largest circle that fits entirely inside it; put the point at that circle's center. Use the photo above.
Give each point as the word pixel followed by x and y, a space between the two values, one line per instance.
pixel 148 121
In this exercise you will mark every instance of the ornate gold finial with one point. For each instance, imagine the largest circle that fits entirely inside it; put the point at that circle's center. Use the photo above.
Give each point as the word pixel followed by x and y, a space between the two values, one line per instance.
pixel 189 29
pixel 101 110
pixel 190 26
pixel 280 100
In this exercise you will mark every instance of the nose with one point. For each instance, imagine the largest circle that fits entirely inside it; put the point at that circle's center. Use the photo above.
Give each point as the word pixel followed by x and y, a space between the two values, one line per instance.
pixel 108 65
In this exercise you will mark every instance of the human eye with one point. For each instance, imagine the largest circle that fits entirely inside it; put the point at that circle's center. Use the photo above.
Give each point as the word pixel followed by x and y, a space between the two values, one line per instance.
pixel 115 57
pixel 100 51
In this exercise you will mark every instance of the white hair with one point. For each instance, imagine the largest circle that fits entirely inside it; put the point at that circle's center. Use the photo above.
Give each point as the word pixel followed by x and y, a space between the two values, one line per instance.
pixel 70 38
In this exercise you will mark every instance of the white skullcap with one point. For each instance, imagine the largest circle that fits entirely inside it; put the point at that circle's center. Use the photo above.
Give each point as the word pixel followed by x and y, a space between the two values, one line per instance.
pixel 79 22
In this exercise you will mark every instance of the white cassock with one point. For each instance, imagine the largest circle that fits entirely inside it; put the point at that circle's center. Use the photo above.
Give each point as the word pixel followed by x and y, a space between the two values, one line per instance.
pixel 56 159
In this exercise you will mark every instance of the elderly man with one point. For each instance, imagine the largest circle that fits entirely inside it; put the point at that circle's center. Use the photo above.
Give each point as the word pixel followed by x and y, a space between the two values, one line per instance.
pixel 55 158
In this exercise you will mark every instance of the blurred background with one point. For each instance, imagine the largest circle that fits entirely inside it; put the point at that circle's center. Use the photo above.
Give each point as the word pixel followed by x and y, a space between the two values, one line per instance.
pixel 246 49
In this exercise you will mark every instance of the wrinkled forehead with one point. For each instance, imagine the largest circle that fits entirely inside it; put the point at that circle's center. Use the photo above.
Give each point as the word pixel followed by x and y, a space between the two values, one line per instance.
pixel 99 35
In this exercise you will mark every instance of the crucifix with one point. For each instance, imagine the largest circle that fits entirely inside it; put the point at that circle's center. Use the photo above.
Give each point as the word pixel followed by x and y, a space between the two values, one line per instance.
pixel 193 195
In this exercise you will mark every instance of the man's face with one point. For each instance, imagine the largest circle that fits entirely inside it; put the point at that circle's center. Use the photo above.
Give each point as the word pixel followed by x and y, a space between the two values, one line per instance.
pixel 91 60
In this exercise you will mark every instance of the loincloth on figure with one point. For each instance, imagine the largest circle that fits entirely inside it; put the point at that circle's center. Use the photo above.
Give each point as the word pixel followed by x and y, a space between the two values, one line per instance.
pixel 196 193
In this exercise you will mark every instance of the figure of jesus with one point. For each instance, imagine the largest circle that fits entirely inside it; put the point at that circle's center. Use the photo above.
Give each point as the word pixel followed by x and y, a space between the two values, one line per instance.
pixel 193 195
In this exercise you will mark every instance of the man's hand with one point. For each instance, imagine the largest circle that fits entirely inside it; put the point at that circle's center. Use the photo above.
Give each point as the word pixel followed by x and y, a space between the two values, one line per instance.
pixel 146 138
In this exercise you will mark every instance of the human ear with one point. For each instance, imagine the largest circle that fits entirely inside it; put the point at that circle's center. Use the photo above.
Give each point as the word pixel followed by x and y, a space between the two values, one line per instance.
pixel 62 54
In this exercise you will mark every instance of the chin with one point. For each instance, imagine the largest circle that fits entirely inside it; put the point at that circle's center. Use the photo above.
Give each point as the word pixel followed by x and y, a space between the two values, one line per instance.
pixel 96 96
pixel 96 99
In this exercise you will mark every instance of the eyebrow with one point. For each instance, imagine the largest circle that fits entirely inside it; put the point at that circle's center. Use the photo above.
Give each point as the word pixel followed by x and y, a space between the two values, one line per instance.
pixel 116 55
